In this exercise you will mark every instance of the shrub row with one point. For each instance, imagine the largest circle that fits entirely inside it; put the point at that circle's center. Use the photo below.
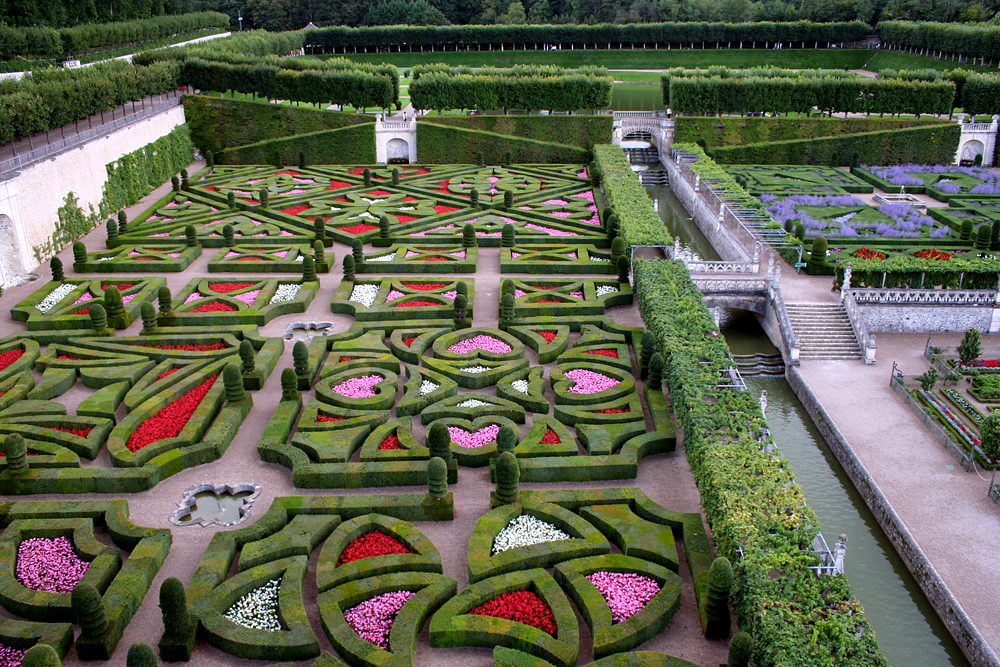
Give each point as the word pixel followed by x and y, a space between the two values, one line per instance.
pixel 441 144
pixel 568 91
pixel 640 225
pixel 341 37
pixel 239 46
pixel 217 123
pixel 906 271
pixel 979 41
pixel 55 43
pixel 734 94
pixel 136 174
pixel 741 130
pixel 932 144
pixel 579 131
pixel 354 144
pixel 53 98
pixel 759 517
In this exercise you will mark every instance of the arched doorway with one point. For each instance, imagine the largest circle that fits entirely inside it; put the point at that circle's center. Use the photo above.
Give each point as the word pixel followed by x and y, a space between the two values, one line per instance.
pixel 970 149
pixel 397 151
pixel 10 258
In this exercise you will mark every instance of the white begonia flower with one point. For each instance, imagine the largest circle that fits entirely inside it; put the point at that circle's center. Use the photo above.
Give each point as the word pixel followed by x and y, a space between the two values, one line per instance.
pixel 258 609
pixel 520 385
pixel 364 294
pixel 55 296
pixel 524 531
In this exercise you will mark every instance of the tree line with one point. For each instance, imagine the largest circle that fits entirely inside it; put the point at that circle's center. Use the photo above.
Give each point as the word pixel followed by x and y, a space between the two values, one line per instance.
pixel 52 98
pixel 700 35
pixel 42 42
pixel 975 93
pixel 783 93
pixel 567 91
pixel 978 41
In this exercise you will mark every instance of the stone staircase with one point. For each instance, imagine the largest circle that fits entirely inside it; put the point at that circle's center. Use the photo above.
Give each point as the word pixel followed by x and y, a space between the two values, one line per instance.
pixel 824 331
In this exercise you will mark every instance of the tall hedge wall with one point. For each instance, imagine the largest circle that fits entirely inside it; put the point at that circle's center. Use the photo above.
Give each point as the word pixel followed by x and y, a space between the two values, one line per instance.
pixel 136 174
pixel 440 144
pixel 217 123
pixel 640 225
pixel 980 41
pixel 741 130
pixel 933 144
pixel 580 131
pixel 348 145
pixel 566 92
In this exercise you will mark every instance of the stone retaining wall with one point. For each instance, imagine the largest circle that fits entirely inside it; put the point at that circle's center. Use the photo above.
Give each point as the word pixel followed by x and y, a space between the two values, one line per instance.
pixel 918 318
pixel 727 245
pixel 940 596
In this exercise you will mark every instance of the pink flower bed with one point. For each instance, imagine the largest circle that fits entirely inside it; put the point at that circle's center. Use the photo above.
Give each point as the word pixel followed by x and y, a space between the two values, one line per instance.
pixel 588 195
pixel 373 618
pixel 549 230
pixel 45 564
pixel 589 382
pixel 480 438
pixel 556 202
pixel 393 294
pixel 427 231
pixel 583 174
pixel 625 592
pixel 11 657
pixel 359 387
pixel 194 296
pixel 481 342
pixel 247 297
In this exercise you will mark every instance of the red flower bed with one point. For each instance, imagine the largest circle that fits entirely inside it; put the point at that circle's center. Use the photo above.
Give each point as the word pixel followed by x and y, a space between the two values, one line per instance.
pixel 379 193
pixel 359 228
pixel 79 432
pixel 405 218
pixel 70 358
pixel 213 188
pixel 868 253
pixel 425 286
pixel 214 307
pixel 444 186
pixel 931 253
pixel 441 208
pixel 549 336
pixel 614 411
pixel 985 363
pixel 226 288
pixel 85 311
pixel 390 442
pixel 550 437
pixel 121 288
pixel 336 185
pixel 409 341
pixel 547 301
pixel 320 417
pixel 166 373
pixel 249 201
pixel 408 199
pixel 433 259
pixel 9 357
pixel 604 353
pixel 171 420
pixel 289 172
pixel 188 347
pixel 295 210
pixel 520 606
pixel 544 286
pixel 372 543
pixel 416 304
pixel 343 359
pixel 249 259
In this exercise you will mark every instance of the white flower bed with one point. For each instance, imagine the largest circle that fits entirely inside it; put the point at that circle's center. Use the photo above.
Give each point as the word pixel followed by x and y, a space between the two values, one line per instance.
pixel 595 258
pixel 285 292
pixel 524 531
pixel 427 387
pixel 606 289
pixel 476 369
pixel 520 385
pixel 364 294
pixel 55 296
pixel 473 403
pixel 258 609
pixel 391 257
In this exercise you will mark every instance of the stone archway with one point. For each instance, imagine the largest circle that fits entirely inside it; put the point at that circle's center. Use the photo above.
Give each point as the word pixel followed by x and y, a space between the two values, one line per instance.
pixel 10 258
pixel 398 151
pixel 970 149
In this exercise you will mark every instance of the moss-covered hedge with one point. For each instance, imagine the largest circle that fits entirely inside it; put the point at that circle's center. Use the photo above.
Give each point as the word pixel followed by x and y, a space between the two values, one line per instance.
pixel 580 131
pixel 346 145
pixel 640 225
pixel 217 123
pixel 730 131
pixel 441 144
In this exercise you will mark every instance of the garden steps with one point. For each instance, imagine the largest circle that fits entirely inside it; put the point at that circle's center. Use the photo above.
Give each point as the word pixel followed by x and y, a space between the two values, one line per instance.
pixel 824 331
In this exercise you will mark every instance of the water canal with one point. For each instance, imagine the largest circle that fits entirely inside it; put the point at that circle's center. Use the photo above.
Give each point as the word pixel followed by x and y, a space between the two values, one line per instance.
pixel 907 627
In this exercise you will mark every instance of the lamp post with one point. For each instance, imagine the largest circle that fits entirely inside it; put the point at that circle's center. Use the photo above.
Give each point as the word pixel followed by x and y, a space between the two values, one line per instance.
pixel 240 19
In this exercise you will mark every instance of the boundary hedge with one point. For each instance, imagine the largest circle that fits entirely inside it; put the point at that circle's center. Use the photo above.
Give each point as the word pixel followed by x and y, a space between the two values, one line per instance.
pixel 568 90
pixel 218 123
pixel 579 131
pixel 977 40
pixel 640 225
pixel 743 130
pixel 440 144
pixel 933 144
pixel 354 144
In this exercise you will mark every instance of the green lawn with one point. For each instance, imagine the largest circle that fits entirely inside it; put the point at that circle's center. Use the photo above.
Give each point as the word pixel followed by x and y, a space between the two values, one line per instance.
pixel 898 60
pixel 649 77
pixel 628 59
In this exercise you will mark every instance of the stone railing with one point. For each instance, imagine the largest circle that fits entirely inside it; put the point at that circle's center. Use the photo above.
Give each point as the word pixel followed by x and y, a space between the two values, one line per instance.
pixel 977 127
pixel 929 297
pixel 733 286
pixel 695 266
pixel 777 302
pixel 866 341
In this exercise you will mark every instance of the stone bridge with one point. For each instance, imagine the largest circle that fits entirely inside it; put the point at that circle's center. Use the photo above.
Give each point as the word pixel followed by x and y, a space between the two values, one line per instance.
pixel 652 126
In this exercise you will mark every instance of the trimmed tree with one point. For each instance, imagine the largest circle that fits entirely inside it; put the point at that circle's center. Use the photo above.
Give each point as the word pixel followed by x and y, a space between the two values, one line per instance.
pixel 740 650
pixel 439 441
pixel 148 313
pixel 716 620
pixel 165 300
pixel 309 270
pixel 437 477
pixel 508 476
pixel 190 236
pixel 970 348
pixel 56 265
pixel 98 317
pixel 654 376
pixel 508 236
pixel 349 272
pixel 41 655
pixel 141 654
pixel 15 449
pixel 506 439
pixel 817 256
pixel 469 236
pixel 289 385
pixel 112 228
pixel 247 359
pixel 115 307
pixel 646 353
pixel 228 236
pixel 233 380
pixel 88 607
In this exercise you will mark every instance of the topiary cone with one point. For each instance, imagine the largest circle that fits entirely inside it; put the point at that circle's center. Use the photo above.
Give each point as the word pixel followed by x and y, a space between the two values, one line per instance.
pixel 112 227
pixel 233 380
pixel 646 353
pixel 141 654
pixel 190 236
pixel 115 306
pixel 384 230
pixel 439 441
pixel 720 583
pixel 507 307
pixel 56 265
pixel 122 222
pixel 229 236
pixel 164 299
pixel 508 198
pixel 437 477
pixel 349 272
pixel 98 317
pixel 289 385
pixel 623 267
pixel 617 248
pixel 817 256
pixel 247 356
pixel 41 655
pixel 508 236
pixel 480 159
pixel 319 228
pixel 983 236
pixel 473 197
pixel 16 451
pixel 173 607
pixel 148 313
pixel 367 175
pixel 300 358
pixel 654 378
pixel 966 234
pixel 395 176
pixel 508 476
pixel 469 236
pixel 79 257
pixel 358 252
pixel 506 439
pixel 88 607
pixel 309 270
